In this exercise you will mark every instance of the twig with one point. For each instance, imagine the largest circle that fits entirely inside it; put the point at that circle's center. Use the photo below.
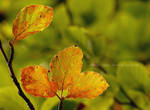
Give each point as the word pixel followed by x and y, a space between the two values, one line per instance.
pixel 9 62
pixel 61 104
pixel 100 68
pixel 123 103
pixel 3 52
pixel 57 96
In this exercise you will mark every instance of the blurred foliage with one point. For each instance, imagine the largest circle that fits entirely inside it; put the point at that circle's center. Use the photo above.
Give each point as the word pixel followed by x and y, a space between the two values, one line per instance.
pixel 114 36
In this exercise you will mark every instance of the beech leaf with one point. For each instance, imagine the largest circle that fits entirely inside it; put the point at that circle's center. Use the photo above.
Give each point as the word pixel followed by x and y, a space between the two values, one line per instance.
pixel 65 65
pixel 87 85
pixel 35 81
pixel 31 19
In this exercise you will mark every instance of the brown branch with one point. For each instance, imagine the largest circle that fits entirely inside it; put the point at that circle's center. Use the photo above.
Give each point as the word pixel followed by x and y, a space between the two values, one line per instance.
pixel 100 68
pixel 57 96
pixel 3 52
pixel 61 104
pixel 9 62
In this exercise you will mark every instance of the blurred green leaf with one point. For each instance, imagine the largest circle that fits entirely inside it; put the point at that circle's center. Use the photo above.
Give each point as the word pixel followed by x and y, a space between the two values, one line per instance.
pixel 99 103
pixel 49 103
pixel 133 75
pixel 5 79
pixel 121 97
pixel 61 18
pixel 78 36
pixel 139 99
pixel 137 9
pixel 10 100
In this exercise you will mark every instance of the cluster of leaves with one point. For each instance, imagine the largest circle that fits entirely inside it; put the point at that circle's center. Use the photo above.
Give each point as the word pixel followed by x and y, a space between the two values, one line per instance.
pixel 114 36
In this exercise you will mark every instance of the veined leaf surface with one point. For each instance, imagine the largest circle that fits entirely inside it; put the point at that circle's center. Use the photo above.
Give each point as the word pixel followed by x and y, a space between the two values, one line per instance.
pixel 87 85
pixel 66 65
pixel 35 81
pixel 32 19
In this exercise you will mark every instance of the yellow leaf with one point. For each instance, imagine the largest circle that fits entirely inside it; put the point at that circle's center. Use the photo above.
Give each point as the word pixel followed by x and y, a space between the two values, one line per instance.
pixel 32 19
pixel 87 85
pixel 65 66
pixel 35 81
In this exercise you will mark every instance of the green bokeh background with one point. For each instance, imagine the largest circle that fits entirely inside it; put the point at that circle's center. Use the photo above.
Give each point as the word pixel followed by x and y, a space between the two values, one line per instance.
pixel 114 36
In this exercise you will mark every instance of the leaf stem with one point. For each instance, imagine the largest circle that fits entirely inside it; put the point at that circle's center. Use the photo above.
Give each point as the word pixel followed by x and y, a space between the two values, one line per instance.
pixel 9 62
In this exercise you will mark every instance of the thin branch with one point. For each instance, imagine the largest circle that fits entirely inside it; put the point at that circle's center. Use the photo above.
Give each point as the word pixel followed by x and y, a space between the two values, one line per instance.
pixel 3 52
pixel 100 68
pixel 12 54
pixel 61 104
pixel 9 62
pixel 123 103
pixel 58 96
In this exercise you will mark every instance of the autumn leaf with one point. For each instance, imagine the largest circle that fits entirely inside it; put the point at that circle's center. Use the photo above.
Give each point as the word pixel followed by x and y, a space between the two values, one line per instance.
pixel 31 19
pixel 65 65
pixel 35 81
pixel 87 85
pixel 65 74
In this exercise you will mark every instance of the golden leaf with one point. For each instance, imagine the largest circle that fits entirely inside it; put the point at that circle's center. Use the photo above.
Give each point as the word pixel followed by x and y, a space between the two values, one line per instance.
pixel 65 66
pixel 35 81
pixel 87 85
pixel 32 19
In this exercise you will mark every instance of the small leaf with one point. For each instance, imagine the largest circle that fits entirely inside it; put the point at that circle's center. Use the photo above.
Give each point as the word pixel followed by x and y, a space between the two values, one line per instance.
pixel 87 85
pixel 32 19
pixel 65 65
pixel 35 81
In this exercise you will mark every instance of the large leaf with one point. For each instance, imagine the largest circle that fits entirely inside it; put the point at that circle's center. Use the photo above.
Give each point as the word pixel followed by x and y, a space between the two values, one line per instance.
pixel 31 19
pixel 35 81
pixel 66 65
pixel 139 99
pixel 133 75
pixel 87 85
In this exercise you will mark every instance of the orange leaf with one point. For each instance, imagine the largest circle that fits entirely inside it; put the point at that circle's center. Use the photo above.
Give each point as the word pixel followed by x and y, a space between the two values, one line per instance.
pixel 87 85
pixel 65 65
pixel 32 19
pixel 35 81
